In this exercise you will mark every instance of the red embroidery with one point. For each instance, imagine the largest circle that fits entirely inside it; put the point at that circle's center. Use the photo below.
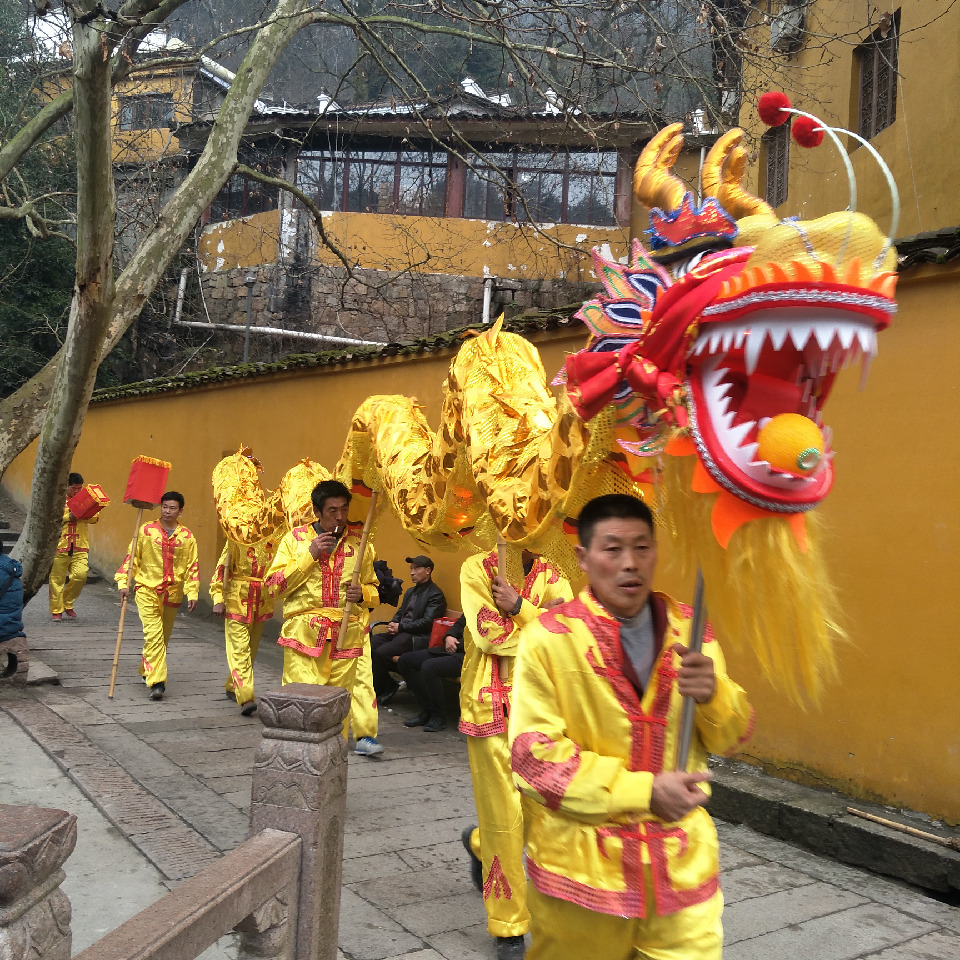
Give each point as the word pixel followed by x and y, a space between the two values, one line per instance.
pixel 747 734
pixel 237 679
pixel 550 778
pixel 331 576
pixel 499 694
pixel 276 582
pixel 497 885
pixel 147 666
pixel 487 615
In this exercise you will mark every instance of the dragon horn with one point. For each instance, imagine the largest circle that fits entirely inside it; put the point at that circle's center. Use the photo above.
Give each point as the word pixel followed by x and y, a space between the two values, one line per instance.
pixel 653 183
pixel 721 175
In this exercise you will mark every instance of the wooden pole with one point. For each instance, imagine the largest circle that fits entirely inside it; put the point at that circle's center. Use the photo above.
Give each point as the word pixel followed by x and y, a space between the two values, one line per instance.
pixel 695 643
pixel 123 604
pixel 357 567
pixel 952 842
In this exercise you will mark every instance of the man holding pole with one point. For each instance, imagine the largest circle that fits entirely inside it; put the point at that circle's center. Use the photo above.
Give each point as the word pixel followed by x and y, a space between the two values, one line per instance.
pixel 314 573
pixel 69 571
pixel 495 610
pixel 621 855
pixel 164 568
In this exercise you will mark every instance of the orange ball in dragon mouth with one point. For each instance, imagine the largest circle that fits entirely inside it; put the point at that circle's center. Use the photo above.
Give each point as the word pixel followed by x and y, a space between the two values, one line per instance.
pixel 791 443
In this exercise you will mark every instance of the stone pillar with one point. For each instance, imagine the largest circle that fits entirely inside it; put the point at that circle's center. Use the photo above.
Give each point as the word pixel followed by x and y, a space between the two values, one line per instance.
pixel 300 785
pixel 34 911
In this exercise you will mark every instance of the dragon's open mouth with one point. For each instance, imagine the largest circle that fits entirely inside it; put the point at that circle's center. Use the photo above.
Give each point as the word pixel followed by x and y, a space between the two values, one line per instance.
pixel 747 371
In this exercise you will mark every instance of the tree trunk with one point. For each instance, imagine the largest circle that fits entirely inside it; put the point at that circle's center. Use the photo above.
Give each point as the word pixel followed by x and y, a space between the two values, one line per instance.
pixel 54 403
pixel 76 372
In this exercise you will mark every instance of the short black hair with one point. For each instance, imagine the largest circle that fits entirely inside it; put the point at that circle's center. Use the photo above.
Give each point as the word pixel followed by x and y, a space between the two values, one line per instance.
pixel 611 506
pixel 74 479
pixel 173 495
pixel 325 490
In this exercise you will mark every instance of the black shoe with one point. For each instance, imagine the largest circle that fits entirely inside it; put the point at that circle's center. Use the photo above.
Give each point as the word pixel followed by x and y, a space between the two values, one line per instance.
pixel 418 721
pixel 476 866
pixel 230 695
pixel 435 725
pixel 247 708
pixel 511 948
pixel 382 701
pixel 157 691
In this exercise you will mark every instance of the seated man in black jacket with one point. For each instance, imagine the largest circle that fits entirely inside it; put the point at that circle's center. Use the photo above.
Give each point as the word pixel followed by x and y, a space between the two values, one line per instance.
pixel 425 670
pixel 410 627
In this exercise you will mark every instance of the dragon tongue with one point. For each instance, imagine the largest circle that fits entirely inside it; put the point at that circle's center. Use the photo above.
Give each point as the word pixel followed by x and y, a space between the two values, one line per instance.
pixel 767 397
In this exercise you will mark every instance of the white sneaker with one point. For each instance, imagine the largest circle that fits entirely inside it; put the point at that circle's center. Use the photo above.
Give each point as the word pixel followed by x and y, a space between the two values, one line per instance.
pixel 367 747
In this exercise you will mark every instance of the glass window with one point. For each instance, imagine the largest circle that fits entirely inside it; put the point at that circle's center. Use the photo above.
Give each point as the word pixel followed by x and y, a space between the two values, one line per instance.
pixel 148 112
pixel 878 61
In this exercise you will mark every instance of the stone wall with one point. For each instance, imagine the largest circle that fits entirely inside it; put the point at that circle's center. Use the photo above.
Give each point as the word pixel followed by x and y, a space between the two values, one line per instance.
pixel 370 305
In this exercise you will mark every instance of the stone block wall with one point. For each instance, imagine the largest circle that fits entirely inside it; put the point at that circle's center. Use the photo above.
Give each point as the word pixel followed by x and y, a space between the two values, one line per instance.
pixel 371 305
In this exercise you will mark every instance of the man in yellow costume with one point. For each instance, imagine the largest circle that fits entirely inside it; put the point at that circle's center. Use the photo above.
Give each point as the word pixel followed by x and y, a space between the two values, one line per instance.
pixel 245 608
pixel 71 559
pixel 622 856
pixel 165 569
pixel 495 611
pixel 312 574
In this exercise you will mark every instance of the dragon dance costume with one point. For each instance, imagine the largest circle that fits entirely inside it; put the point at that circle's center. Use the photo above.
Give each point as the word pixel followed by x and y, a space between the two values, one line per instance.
pixel 606 874
pixel 314 595
pixel 165 569
pixel 248 607
pixel 491 643
pixel 70 561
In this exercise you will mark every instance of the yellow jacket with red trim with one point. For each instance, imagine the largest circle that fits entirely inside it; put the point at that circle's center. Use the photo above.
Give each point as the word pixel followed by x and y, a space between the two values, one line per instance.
pixel 244 599
pixel 74 533
pixel 491 639
pixel 165 563
pixel 586 747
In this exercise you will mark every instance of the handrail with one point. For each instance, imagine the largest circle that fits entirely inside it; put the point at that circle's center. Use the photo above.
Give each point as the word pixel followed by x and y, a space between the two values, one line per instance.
pixel 199 911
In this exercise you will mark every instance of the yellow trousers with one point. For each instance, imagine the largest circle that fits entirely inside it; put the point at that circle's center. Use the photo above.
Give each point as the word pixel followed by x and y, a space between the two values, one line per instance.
pixel 243 641
pixel 63 594
pixel 322 670
pixel 500 819
pixel 363 702
pixel 562 930
pixel 157 620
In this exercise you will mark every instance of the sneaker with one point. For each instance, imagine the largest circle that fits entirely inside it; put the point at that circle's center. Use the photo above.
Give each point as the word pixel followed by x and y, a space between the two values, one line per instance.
pixel 72 614
pixel 435 725
pixel 56 617
pixel 511 948
pixel 157 691
pixel 247 708
pixel 367 747
pixel 476 866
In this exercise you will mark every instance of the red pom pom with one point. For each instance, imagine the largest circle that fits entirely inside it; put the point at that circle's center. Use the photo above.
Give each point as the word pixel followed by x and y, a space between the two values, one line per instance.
pixel 771 108
pixel 807 133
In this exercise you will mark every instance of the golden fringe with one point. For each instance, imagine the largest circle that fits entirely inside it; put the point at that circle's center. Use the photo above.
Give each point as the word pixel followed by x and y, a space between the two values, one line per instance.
pixel 153 462
pixel 762 592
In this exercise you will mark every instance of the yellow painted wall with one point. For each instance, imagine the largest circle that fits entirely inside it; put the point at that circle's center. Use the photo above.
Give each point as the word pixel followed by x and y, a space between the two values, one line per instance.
pixel 890 730
pixel 144 146
pixel 822 78
pixel 444 245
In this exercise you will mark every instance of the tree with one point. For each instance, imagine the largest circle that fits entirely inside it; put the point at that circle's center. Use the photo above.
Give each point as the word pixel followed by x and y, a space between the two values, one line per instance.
pixel 658 59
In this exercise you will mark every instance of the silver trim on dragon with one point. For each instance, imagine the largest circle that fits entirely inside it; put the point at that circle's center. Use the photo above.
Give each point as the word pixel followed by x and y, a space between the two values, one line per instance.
pixel 827 297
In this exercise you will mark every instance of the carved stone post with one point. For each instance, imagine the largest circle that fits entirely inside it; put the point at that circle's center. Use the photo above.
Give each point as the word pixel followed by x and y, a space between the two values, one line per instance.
pixel 300 785
pixel 34 911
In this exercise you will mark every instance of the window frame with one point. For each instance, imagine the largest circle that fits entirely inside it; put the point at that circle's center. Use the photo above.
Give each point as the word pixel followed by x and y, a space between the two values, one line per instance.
pixel 776 179
pixel 142 112
pixel 878 64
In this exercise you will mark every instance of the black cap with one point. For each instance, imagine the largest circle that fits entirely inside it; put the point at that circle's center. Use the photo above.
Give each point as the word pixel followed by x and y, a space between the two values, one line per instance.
pixel 420 561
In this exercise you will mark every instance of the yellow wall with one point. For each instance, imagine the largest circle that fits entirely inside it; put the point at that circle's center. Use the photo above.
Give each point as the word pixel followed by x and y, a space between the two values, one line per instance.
pixel 822 78
pixel 890 730
pixel 140 146
pixel 445 245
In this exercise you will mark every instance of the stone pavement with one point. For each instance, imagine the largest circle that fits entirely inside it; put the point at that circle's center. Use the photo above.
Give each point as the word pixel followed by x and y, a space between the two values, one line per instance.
pixel 162 789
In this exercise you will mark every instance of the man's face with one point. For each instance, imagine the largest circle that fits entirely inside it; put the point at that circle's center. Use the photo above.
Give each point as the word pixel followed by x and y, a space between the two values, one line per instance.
pixel 170 512
pixel 420 574
pixel 73 489
pixel 620 562
pixel 333 514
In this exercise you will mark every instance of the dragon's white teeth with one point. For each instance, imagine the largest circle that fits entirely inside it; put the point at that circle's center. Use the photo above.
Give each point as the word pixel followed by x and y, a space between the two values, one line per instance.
pixel 846 332
pixel 727 340
pixel 751 351
pixel 715 339
pixel 740 337
pixel 750 451
pixel 800 334
pixel 807 387
pixel 827 438
pixel 778 335
pixel 818 418
pixel 740 432
pixel 865 369
pixel 824 332
pixel 762 422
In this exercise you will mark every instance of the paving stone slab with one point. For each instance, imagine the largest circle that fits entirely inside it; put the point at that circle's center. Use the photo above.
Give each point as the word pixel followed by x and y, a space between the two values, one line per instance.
pixel 369 934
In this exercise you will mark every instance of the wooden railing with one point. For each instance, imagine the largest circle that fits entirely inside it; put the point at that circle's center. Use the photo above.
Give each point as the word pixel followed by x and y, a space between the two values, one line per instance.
pixel 280 889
